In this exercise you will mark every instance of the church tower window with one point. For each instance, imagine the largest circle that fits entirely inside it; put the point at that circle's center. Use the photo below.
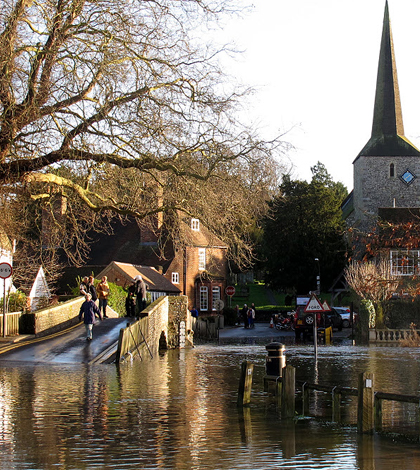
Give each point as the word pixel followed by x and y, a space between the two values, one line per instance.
pixel 391 170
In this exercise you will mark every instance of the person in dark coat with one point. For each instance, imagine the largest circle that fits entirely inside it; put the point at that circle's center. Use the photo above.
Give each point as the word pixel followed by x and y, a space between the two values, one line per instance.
pixel 92 288
pixel 141 289
pixel 88 311
pixel 130 301
pixel 244 313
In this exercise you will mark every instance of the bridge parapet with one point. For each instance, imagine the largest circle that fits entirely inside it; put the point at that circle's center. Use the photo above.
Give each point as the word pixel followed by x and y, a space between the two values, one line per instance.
pixel 159 328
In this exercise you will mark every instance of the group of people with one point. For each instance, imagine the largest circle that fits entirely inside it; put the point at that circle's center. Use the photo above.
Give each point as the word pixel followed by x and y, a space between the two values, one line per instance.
pixel 246 315
pixel 89 310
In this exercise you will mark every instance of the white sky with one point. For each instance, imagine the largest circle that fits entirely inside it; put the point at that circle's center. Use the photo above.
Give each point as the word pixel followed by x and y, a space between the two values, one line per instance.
pixel 314 64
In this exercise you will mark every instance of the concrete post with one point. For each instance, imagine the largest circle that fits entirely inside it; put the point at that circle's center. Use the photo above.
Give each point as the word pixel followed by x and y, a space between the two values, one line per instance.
pixel 365 408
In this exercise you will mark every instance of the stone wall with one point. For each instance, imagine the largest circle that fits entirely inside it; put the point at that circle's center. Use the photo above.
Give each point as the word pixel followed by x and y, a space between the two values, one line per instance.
pixel 52 319
pixel 159 328
pixel 374 186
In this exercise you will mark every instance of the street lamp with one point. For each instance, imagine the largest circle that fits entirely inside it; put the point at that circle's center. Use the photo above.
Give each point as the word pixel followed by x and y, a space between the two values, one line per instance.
pixel 318 278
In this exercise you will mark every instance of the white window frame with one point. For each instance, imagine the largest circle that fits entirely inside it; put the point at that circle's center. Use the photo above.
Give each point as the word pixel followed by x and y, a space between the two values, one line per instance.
pixel 175 278
pixel 405 262
pixel 204 298
pixel 201 259
pixel 215 291
pixel 195 225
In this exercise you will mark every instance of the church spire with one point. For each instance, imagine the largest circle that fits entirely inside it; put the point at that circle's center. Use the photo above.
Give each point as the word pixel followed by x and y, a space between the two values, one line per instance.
pixel 387 117
pixel 388 130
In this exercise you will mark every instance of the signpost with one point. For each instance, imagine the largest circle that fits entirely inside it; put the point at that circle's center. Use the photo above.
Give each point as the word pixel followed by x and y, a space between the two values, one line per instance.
pixel 5 272
pixel 230 291
pixel 314 305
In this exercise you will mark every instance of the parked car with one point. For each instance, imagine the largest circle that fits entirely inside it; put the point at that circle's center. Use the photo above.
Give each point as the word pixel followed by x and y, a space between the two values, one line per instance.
pixel 344 312
pixel 334 319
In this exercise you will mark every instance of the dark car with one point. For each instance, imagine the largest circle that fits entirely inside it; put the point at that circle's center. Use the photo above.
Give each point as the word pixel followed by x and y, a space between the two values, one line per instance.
pixel 304 322
pixel 334 319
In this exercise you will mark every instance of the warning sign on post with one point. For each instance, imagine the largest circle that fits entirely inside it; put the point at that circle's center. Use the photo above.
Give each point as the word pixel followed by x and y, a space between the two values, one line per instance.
pixel 314 305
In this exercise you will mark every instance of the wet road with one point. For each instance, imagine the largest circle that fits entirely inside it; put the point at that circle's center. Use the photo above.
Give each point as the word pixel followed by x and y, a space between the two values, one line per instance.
pixel 70 347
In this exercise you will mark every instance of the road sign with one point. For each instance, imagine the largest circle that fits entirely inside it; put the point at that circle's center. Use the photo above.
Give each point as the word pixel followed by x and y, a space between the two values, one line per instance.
pixel 218 305
pixel 326 307
pixel 314 305
pixel 5 270
pixel 230 291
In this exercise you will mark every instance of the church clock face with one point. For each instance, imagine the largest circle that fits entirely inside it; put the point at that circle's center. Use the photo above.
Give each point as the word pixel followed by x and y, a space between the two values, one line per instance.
pixel 408 177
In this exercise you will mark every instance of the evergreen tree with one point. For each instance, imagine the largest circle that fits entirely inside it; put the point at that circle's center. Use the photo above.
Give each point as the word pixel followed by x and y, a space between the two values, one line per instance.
pixel 305 223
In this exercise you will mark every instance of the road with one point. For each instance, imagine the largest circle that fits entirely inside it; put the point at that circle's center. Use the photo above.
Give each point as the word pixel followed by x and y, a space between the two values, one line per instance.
pixel 262 331
pixel 66 347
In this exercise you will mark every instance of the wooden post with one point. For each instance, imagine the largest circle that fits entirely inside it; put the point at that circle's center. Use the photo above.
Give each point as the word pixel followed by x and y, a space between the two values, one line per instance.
pixel 365 408
pixel 245 383
pixel 378 413
pixel 336 404
pixel 288 389
pixel 305 399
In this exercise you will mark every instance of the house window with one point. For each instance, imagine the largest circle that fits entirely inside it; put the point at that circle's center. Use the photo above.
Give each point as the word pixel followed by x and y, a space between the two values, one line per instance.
pixel 391 170
pixel 201 259
pixel 204 298
pixel 175 278
pixel 404 263
pixel 195 225
pixel 215 296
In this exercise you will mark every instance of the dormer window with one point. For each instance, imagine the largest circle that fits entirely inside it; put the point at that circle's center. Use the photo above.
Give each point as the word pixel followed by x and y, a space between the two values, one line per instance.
pixel 195 225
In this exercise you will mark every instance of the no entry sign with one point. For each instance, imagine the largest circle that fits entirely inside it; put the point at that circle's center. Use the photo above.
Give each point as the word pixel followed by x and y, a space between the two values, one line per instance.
pixel 230 290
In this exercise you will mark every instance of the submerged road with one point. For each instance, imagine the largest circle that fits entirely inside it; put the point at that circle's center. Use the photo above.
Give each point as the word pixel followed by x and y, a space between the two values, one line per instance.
pixel 67 347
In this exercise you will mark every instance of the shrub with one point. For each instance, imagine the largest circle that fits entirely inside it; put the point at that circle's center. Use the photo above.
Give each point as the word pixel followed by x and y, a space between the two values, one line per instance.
pixel 16 302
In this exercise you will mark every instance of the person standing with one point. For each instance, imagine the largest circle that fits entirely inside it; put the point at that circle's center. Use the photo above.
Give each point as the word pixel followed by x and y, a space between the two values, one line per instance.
pixel 88 310
pixel 92 289
pixel 130 301
pixel 141 289
pixel 83 287
pixel 244 313
pixel 194 312
pixel 103 293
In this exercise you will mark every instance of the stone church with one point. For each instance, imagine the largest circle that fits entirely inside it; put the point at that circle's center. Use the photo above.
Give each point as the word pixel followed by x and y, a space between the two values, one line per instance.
pixel 387 170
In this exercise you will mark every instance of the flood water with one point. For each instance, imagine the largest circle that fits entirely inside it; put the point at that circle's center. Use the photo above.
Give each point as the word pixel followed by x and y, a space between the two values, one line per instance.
pixel 178 411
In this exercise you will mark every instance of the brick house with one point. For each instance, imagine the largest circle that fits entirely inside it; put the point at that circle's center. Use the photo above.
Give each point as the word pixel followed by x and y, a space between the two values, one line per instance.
pixel 199 270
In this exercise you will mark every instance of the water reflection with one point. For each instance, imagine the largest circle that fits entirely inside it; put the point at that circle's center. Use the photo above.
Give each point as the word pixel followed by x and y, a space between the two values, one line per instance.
pixel 179 411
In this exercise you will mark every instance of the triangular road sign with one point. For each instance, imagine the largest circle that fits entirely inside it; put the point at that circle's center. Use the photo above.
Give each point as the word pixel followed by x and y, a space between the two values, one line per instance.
pixel 326 307
pixel 314 305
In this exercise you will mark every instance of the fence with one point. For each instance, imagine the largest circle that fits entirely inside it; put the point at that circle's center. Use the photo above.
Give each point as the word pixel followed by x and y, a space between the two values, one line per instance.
pixel 12 323
pixel 370 409
pixel 207 328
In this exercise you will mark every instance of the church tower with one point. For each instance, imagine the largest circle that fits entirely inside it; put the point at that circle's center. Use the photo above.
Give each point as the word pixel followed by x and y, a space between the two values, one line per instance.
pixel 387 170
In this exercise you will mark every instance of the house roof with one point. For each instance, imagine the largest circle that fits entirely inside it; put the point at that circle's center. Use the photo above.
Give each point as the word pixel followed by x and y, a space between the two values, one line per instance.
pixel 387 137
pixel 150 275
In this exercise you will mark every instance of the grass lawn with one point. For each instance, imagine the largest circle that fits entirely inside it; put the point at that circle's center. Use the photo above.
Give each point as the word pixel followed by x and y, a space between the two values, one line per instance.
pixel 262 300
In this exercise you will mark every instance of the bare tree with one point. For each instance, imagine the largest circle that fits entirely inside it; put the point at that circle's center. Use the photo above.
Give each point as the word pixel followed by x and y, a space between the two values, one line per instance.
pixel 374 282
pixel 117 107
